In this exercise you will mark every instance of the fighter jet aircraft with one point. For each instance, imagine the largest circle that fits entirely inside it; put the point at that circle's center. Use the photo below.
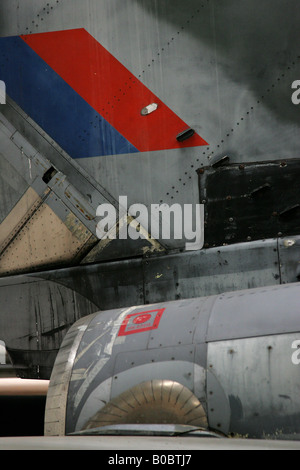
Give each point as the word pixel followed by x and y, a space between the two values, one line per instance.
pixel 149 156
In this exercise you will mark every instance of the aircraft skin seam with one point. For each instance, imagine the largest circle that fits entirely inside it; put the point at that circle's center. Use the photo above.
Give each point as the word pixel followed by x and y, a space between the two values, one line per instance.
pixel 185 179
pixel 46 10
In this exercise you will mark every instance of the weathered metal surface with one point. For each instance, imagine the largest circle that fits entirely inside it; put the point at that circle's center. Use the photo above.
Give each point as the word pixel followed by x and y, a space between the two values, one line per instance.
pixel 59 215
pixel 143 281
pixel 142 352
pixel 45 240
pixel 200 70
pixel 41 313
pixel 236 359
pixel 226 69
pixel 245 202
pixel 247 313
pixel 260 383
pixel 12 187
pixel 289 258
pixel 176 276
pixel 75 213
pixel 18 216
pixel 56 402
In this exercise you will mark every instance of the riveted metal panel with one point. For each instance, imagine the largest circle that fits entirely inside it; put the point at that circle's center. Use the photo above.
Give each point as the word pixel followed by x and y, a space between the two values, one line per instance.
pixel 12 187
pixel 170 366
pixel 28 203
pixel 185 53
pixel 257 312
pixel 211 271
pixel 177 325
pixel 111 285
pixel 260 382
pixel 245 202
pixel 83 203
pixel 289 258
pixel 44 240
pixel 218 409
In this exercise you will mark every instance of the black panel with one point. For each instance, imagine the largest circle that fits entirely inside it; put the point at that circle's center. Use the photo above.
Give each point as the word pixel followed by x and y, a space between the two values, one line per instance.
pixel 22 415
pixel 253 201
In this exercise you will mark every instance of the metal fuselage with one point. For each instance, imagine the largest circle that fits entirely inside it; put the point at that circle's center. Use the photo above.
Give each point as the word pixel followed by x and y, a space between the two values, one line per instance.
pixel 157 103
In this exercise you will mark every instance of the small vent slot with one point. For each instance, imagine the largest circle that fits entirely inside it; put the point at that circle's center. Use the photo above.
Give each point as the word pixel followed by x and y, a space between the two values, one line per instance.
pixel 49 174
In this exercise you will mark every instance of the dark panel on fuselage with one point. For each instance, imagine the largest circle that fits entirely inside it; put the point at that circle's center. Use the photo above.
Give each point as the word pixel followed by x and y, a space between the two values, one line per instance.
pixel 252 201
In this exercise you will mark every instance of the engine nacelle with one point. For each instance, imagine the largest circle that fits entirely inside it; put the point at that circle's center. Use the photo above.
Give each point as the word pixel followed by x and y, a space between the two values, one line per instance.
pixel 226 362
